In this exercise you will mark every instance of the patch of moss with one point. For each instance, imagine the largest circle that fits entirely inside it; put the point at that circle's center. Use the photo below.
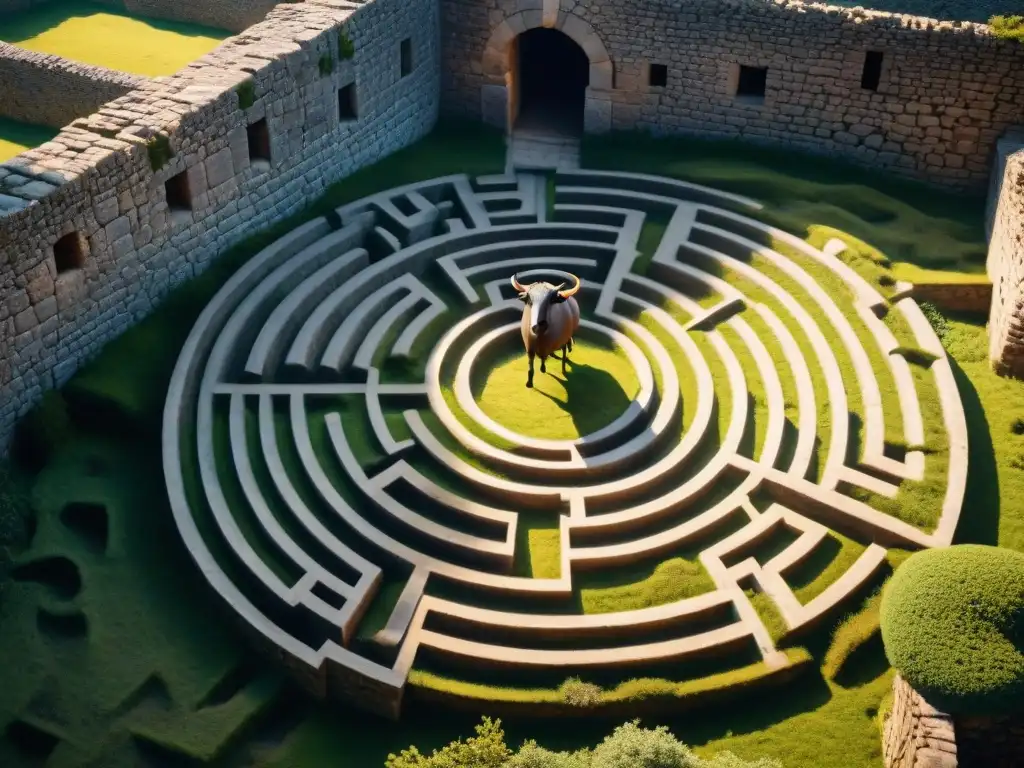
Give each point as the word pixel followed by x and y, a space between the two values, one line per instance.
pixel 326 64
pixel 246 94
pixel 953 625
pixel 346 48
pixel 159 150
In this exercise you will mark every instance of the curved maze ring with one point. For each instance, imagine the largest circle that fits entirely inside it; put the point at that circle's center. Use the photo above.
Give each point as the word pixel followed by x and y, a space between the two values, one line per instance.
pixel 300 556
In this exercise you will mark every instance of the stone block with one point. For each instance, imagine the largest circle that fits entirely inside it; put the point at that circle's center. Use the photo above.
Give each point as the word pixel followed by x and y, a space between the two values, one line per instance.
pixel 494 105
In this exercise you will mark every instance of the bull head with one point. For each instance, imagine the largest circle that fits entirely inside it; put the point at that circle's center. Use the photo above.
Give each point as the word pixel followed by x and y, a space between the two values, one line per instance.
pixel 539 296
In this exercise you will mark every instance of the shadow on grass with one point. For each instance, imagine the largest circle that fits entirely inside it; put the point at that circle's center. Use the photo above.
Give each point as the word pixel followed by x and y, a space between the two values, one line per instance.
pixel 867 662
pixel 979 518
pixel 592 395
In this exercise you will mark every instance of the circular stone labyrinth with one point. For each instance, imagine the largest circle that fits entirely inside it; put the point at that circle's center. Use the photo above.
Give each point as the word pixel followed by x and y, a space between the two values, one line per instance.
pixel 779 425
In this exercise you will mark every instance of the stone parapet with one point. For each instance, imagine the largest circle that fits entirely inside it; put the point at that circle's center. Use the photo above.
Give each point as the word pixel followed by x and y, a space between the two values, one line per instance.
pixel 1006 269
pixel 945 91
pixel 75 89
pixel 131 201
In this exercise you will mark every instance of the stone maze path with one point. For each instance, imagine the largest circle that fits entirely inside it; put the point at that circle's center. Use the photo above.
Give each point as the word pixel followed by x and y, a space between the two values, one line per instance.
pixel 323 444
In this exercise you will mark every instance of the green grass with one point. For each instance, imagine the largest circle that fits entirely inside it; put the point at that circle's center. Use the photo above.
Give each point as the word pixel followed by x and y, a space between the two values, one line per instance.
pixel 599 386
pixel 951 622
pixel 16 137
pixel 100 35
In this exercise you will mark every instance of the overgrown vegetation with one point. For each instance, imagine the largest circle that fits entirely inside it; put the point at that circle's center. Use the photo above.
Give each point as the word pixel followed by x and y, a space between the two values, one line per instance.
pixel 326 64
pixel 953 625
pixel 628 746
pixel 246 94
pixel 159 150
pixel 1008 27
pixel 346 48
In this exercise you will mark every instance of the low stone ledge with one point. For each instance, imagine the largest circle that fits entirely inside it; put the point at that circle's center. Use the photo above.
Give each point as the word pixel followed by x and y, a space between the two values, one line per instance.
pixel 916 735
pixel 71 89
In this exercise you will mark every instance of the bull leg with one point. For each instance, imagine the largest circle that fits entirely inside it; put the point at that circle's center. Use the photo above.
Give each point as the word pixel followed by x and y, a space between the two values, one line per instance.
pixel 569 345
pixel 543 363
pixel 565 356
pixel 529 376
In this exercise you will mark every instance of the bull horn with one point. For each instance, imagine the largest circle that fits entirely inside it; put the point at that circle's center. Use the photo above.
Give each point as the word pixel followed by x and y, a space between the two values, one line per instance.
pixel 571 291
pixel 516 285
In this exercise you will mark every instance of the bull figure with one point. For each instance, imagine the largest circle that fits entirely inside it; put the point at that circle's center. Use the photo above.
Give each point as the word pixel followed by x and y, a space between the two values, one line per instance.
pixel 550 319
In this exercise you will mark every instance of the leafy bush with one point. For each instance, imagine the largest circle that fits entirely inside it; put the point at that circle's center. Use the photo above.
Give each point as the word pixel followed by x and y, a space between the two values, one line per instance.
pixel 578 693
pixel 485 750
pixel 953 625
pixel 628 746
pixel 41 431
pixel 1009 27
pixel 326 64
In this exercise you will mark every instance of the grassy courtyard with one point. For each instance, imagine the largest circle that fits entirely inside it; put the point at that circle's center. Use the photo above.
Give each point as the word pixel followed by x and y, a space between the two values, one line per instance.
pixel 124 652
pixel 103 36
pixel 16 137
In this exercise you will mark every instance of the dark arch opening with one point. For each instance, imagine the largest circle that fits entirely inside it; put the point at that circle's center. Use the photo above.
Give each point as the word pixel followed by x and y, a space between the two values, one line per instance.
pixel 553 76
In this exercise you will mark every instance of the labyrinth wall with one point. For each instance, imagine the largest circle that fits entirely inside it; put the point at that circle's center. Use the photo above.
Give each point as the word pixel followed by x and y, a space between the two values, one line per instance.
pixel 93 237
pixel 341 484
pixel 77 89
pixel 946 91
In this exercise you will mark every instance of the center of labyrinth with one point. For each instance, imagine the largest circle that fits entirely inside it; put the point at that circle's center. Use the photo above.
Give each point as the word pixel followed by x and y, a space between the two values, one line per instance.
pixel 745 428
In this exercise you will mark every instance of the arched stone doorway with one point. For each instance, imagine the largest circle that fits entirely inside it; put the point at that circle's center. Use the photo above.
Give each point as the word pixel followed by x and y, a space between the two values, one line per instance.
pixel 552 76
pixel 501 92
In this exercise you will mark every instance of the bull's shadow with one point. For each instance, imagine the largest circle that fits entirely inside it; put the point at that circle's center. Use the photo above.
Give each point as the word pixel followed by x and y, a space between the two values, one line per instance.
pixel 594 398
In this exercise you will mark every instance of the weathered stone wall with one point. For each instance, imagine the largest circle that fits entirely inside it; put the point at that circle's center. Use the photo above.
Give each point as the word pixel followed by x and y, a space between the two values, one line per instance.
pixel 916 735
pixel 1006 270
pixel 74 90
pixel 232 15
pixel 946 92
pixel 955 297
pixel 96 245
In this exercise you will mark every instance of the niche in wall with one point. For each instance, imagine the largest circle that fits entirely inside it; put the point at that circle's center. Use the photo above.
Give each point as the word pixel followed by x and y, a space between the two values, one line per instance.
pixel 258 136
pixel 406 57
pixel 871 77
pixel 657 75
pixel 751 83
pixel 69 253
pixel 347 107
pixel 179 194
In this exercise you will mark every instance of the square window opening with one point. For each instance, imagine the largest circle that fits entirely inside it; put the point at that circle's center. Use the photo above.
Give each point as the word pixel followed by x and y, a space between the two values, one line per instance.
pixel 406 56
pixel 347 109
pixel 259 141
pixel 752 82
pixel 179 194
pixel 871 77
pixel 69 253
pixel 657 76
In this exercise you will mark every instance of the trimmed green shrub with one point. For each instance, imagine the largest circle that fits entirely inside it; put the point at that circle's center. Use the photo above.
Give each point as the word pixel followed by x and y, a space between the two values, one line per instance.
pixel 579 693
pixel 346 48
pixel 246 94
pixel 530 755
pixel 1009 27
pixel 953 625
pixel 41 431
